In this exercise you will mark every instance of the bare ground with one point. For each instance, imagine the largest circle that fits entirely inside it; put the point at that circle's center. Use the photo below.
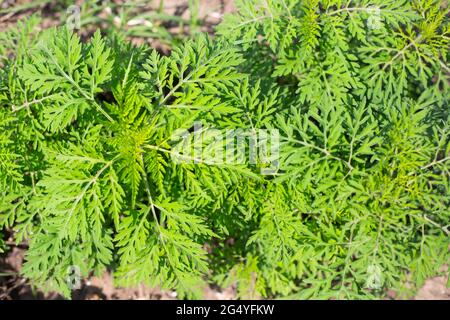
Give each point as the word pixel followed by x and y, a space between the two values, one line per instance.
pixel 12 286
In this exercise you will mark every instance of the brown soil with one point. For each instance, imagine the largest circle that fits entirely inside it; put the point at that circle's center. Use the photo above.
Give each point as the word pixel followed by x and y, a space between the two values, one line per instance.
pixel 12 286
pixel 434 289
pixel 210 12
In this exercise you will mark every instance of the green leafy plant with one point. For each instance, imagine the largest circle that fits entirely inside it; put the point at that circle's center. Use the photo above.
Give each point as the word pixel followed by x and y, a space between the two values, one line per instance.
pixel 93 172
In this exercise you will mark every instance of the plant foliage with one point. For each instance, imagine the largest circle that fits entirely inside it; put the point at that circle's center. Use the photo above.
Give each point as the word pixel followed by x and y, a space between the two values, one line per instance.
pixel 90 172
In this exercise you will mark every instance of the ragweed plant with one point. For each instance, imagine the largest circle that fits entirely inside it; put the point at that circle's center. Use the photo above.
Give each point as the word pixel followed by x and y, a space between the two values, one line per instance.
pixel 94 172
